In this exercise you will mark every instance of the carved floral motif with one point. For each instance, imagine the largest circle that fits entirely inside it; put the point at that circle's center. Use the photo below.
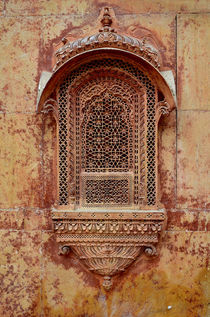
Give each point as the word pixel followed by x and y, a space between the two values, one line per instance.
pixel 94 226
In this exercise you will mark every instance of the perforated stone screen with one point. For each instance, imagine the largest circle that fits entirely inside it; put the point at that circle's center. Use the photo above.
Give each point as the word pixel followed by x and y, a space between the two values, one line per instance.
pixel 107 124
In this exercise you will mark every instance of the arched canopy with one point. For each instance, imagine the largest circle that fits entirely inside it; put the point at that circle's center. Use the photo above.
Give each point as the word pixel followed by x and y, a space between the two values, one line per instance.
pixel 106 52
pixel 107 44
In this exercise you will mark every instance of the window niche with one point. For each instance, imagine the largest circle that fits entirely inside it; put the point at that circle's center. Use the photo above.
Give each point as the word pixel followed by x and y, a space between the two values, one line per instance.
pixel 107 96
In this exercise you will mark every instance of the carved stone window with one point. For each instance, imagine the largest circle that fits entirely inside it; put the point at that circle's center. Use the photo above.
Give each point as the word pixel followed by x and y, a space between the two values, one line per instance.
pixel 107 96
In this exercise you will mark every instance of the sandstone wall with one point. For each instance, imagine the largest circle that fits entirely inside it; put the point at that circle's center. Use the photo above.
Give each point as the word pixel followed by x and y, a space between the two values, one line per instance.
pixel 34 280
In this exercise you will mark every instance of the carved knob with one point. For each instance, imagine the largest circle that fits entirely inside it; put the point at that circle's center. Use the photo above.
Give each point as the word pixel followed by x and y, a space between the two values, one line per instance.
pixel 151 251
pixel 64 250
pixel 107 284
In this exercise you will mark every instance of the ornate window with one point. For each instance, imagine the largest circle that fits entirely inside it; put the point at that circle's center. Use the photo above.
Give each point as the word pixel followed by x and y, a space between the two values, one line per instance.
pixel 107 96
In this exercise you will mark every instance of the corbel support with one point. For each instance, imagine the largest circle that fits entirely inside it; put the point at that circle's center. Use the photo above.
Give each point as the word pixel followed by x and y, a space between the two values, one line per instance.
pixel 162 108
pixel 51 105
pixel 108 242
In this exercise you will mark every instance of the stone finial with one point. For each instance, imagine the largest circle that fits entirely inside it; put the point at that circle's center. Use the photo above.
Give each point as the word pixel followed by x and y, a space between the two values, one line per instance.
pixel 106 21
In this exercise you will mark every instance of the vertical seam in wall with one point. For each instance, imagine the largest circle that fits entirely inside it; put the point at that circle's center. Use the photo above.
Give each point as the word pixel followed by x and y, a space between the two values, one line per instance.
pixel 42 190
pixel 4 8
pixel 41 198
pixel 176 159
pixel 41 277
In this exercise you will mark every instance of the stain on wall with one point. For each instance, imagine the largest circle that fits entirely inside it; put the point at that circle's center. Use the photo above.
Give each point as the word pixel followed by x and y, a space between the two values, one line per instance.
pixel 34 279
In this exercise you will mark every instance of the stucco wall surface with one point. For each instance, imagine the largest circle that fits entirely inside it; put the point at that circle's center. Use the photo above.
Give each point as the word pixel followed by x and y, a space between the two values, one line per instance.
pixel 34 279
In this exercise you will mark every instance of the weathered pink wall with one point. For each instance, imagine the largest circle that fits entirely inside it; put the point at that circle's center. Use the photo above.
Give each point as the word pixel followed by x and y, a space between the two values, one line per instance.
pixel 34 280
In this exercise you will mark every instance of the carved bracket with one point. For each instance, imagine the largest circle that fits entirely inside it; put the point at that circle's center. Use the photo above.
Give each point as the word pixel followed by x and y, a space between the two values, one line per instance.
pixel 162 108
pixel 108 242
pixel 51 105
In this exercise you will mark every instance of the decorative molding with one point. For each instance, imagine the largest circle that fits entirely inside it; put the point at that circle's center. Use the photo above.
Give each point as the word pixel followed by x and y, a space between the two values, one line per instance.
pixel 108 242
pixel 107 37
